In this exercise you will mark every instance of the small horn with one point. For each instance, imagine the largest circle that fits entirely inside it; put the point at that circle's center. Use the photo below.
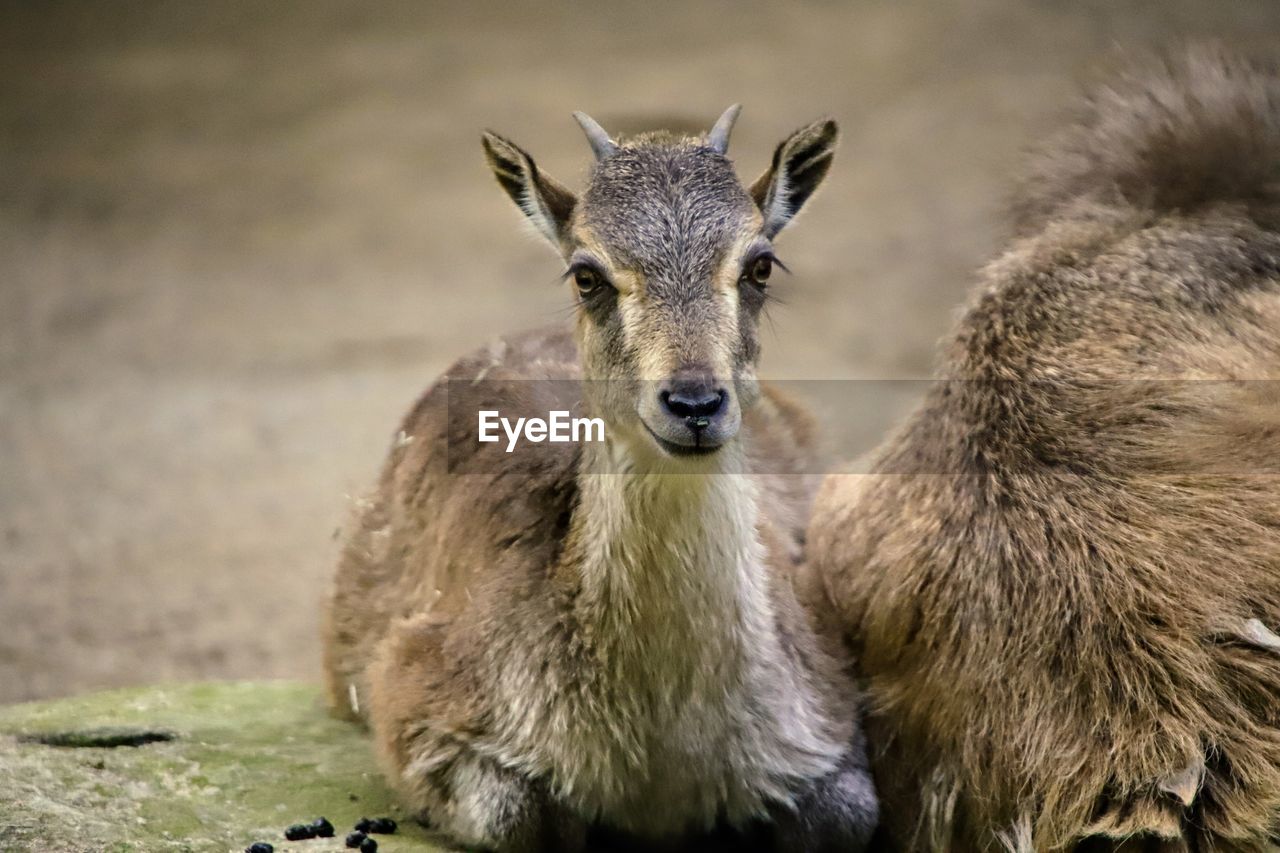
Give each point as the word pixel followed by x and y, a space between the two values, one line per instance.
pixel 718 138
pixel 601 144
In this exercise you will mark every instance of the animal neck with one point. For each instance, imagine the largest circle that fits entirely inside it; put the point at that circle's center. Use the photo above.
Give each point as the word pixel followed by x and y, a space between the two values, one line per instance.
pixel 669 560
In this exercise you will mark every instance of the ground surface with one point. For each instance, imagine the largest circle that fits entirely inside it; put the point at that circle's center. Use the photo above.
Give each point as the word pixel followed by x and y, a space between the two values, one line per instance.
pixel 237 238
pixel 245 761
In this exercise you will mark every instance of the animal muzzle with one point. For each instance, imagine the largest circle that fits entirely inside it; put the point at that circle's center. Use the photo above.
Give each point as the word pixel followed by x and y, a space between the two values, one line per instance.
pixel 694 413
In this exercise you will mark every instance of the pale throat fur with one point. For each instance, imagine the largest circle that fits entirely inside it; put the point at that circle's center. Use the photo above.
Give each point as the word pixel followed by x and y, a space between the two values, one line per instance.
pixel 674 646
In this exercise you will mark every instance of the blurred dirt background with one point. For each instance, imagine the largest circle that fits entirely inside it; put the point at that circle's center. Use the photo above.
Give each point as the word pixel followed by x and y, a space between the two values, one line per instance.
pixel 237 238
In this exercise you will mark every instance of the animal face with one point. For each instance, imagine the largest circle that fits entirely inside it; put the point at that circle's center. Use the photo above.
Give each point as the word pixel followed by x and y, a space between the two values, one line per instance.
pixel 670 258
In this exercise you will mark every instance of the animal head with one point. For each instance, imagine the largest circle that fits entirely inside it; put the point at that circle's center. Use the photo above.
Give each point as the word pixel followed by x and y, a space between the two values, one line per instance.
pixel 670 258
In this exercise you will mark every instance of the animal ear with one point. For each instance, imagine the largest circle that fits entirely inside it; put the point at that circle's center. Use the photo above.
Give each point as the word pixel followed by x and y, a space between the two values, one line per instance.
pixel 799 164
pixel 548 205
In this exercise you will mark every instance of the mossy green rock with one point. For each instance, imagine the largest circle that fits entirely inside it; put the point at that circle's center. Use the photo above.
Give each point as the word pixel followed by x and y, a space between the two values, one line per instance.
pixel 200 767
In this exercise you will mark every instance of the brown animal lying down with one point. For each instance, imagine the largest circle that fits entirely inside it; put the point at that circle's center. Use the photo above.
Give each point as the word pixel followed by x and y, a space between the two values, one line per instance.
pixel 608 636
pixel 1062 577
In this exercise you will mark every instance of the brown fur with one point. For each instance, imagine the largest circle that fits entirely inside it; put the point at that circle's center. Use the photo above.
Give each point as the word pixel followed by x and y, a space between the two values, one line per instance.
pixel 451 574
pixel 1063 576
pixel 610 634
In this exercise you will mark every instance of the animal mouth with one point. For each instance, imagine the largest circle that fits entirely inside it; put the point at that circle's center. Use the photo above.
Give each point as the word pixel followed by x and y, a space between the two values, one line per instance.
pixel 695 449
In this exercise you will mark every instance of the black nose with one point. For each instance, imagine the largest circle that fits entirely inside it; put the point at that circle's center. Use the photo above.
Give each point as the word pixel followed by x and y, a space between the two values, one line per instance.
pixel 696 401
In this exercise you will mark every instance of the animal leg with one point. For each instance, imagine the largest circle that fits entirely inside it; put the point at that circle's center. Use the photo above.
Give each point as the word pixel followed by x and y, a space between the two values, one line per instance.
pixel 424 716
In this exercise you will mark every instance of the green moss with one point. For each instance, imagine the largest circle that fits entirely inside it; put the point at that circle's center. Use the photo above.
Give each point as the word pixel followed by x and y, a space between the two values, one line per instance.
pixel 244 762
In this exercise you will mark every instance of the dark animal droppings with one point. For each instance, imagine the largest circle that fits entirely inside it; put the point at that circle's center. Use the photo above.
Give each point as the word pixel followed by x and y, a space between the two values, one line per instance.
pixel 368 846
pixel 260 847
pixel 322 827
pixel 300 832
pixel 382 826
pixel 363 824
pixel 355 839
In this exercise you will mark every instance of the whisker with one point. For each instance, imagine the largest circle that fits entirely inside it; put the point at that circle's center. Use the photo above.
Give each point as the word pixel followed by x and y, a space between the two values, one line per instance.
pixel 564 311
pixel 773 327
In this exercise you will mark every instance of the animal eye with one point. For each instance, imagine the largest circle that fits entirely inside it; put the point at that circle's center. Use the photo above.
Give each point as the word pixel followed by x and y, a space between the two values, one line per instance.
pixel 759 270
pixel 587 280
